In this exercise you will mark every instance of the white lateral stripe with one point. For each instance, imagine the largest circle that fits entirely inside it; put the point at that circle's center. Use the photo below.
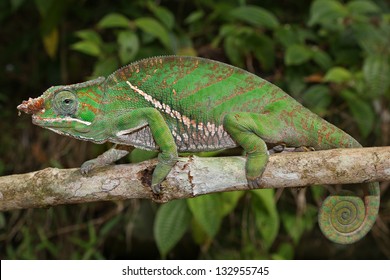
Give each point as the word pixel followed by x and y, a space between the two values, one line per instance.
pixel 211 127
pixel 65 119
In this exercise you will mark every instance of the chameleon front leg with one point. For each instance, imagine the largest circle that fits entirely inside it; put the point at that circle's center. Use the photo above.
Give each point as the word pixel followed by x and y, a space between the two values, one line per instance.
pixel 163 137
pixel 104 159
pixel 132 121
pixel 247 130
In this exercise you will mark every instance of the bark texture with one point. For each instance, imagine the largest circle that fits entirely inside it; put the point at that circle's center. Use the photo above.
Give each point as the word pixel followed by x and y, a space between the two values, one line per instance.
pixel 192 176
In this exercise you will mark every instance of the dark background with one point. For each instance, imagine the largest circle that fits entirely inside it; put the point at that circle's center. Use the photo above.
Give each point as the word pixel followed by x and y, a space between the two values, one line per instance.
pixel 332 56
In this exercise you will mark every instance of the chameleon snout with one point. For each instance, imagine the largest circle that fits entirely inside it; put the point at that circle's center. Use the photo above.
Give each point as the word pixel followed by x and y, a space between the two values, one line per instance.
pixel 31 106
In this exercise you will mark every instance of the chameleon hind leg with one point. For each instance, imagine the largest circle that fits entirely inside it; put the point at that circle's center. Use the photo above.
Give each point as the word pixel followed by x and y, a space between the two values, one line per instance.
pixel 249 130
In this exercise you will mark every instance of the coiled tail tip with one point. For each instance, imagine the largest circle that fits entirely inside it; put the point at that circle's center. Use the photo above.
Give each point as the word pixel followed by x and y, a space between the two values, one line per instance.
pixel 346 218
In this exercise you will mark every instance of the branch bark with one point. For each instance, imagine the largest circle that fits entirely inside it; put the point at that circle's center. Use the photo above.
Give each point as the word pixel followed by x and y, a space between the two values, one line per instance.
pixel 192 176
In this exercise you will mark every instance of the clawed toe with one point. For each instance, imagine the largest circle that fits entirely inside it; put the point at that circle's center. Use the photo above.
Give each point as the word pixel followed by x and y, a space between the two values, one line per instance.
pixel 254 183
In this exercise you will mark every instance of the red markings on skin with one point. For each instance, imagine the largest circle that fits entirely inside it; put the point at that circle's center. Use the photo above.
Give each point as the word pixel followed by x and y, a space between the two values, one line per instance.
pixel 90 107
pixel 31 106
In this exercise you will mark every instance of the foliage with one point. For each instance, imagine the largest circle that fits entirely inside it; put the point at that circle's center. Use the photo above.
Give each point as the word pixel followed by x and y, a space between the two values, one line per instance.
pixel 333 56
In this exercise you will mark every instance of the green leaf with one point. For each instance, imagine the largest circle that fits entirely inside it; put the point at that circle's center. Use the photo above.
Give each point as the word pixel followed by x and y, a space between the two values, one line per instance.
pixel 264 50
pixel 322 59
pixel 294 225
pixel 128 46
pixel 194 17
pixel 362 112
pixel 287 36
pixel 105 67
pixel 232 46
pixel 113 20
pixel 362 7
pixel 255 16
pixel 285 252
pixel 297 54
pixel 172 221
pixel 90 35
pixel 317 98
pixel 338 75
pixel 326 12
pixel 267 217
pixel 153 27
pixel 318 192
pixel 229 201
pixel 163 14
pixel 87 47
pixel 376 70
pixel 206 210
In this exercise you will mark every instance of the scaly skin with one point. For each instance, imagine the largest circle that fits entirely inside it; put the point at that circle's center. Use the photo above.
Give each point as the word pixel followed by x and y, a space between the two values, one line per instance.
pixel 184 104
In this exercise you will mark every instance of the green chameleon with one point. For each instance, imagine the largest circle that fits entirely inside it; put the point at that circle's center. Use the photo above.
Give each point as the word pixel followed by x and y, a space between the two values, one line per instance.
pixel 175 104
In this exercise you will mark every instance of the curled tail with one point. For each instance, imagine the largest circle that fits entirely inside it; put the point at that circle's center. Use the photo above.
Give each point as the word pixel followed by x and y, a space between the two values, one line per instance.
pixel 345 217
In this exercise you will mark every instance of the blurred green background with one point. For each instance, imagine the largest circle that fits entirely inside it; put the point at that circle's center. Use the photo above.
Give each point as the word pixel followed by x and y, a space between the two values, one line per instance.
pixel 333 56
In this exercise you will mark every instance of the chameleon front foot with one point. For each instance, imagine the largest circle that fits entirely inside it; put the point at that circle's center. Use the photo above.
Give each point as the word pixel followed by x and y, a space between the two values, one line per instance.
pixel 87 166
pixel 161 171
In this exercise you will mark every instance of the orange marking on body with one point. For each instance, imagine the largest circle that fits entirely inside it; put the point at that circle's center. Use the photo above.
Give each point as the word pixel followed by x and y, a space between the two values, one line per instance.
pixel 90 107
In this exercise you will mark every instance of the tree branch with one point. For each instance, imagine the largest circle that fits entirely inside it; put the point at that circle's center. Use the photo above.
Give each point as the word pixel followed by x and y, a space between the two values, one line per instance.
pixel 191 177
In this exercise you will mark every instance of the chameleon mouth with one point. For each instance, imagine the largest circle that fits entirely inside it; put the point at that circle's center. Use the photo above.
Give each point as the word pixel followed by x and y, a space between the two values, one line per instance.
pixel 57 122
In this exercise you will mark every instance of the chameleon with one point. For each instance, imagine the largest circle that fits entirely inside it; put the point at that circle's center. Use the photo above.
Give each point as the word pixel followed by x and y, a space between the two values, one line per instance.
pixel 175 104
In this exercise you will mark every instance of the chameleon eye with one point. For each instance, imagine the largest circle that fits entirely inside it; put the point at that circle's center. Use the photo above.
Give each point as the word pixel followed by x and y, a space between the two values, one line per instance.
pixel 65 103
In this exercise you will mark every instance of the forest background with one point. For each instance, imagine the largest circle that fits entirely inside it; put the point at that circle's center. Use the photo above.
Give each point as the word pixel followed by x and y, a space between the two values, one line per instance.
pixel 332 56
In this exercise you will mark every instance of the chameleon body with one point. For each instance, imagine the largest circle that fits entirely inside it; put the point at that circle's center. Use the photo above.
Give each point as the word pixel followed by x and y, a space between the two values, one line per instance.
pixel 177 104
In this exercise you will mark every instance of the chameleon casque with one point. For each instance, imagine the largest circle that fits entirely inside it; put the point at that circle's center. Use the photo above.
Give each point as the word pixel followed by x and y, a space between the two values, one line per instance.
pixel 177 104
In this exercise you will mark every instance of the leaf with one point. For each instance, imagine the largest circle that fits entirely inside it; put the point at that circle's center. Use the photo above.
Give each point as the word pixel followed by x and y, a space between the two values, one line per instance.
pixel 293 225
pixel 297 54
pixel 264 50
pixel 326 12
pixel 376 70
pixel 285 252
pixel 287 36
pixel 113 20
pixel 317 98
pixel 153 27
pixel 361 111
pixel 207 212
pixel 50 42
pixel 90 35
pixel 87 47
pixel 229 201
pixel 255 16
pixel 338 75
pixel 128 46
pixel 267 217
pixel 172 221
pixel 194 17
pixel 232 46
pixel 105 67
pixel 322 59
pixel 362 7
pixel 163 14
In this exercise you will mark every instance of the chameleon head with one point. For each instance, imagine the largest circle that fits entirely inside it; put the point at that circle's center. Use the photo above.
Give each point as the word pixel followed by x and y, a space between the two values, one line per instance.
pixel 67 110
